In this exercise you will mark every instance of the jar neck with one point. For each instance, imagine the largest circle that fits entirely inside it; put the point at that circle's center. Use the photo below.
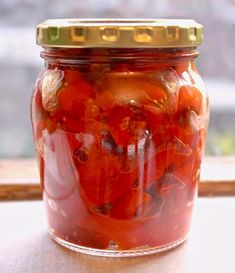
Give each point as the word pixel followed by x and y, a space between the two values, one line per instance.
pixel 133 56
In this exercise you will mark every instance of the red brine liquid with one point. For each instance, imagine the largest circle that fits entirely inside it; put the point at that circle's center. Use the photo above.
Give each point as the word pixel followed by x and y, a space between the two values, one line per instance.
pixel 119 138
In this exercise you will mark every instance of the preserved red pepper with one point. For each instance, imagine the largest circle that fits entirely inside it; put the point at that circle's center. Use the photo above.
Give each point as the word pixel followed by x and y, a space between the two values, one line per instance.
pixel 119 133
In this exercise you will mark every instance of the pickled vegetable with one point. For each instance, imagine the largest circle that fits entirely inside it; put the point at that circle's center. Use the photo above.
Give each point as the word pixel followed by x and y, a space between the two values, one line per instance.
pixel 119 153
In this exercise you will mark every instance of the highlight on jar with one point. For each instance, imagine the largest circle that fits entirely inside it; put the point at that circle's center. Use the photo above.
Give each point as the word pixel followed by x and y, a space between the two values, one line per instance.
pixel 120 116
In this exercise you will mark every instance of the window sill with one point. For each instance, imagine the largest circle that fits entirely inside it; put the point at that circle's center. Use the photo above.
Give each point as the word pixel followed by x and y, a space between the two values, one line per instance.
pixel 19 179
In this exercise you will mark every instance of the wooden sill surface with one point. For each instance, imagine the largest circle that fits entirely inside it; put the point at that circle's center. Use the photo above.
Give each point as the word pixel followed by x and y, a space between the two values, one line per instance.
pixel 19 179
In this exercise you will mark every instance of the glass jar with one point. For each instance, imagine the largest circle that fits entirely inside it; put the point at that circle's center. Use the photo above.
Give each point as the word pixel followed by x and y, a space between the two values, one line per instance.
pixel 119 118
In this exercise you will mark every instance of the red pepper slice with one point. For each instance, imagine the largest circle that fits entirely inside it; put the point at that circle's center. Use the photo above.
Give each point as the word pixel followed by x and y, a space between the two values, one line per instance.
pixel 118 121
pixel 69 122
pixel 131 90
pixel 74 93
pixel 130 205
pixel 102 179
pixel 160 158
pixel 190 98
pixel 169 181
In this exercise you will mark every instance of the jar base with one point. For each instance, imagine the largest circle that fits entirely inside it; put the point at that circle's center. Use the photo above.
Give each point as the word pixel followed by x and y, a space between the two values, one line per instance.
pixel 117 253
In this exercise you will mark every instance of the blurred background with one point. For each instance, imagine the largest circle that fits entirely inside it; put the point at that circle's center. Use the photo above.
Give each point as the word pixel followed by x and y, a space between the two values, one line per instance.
pixel 20 62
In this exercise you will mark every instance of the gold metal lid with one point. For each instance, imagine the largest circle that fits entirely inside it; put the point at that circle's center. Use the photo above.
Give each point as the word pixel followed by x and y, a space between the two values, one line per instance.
pixel 119 33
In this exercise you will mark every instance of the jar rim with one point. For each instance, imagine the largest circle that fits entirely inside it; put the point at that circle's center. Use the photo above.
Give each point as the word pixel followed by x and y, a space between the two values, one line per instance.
pixel 119 33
